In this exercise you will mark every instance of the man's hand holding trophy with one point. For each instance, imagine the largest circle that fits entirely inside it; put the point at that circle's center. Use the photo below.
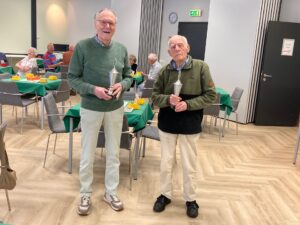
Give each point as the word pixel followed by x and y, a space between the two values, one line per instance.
pixel 115 88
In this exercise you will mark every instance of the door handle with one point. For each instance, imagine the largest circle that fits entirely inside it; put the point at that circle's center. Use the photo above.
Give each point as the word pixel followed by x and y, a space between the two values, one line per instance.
pixel 266 75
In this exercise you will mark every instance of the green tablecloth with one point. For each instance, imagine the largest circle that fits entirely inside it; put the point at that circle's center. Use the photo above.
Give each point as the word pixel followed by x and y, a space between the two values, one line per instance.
pixel 7 69
pixel 136 119
pixel 40 89
pixel 138 79
pixel 225 100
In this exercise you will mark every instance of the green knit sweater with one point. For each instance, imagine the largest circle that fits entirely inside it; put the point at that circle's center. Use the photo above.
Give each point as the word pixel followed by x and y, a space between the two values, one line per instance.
pixel 90 66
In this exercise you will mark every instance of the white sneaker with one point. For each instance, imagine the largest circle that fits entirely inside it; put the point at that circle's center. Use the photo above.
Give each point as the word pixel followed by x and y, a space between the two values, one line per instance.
pixel 84 205
pixel 114 202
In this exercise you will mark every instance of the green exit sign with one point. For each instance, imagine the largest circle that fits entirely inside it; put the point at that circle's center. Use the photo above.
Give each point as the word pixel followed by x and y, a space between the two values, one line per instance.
pixel 195 12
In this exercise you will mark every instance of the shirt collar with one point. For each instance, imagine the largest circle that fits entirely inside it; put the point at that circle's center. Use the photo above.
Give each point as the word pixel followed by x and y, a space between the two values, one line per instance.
pixel 100 42
pixel 173 64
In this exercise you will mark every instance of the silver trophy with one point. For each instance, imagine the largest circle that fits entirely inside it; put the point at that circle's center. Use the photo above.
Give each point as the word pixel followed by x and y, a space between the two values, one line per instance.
pixel 178 85
pixel 112 79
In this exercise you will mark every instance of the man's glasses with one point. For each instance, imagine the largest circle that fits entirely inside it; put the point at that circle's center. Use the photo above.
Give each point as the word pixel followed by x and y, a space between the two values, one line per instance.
pixel 105 23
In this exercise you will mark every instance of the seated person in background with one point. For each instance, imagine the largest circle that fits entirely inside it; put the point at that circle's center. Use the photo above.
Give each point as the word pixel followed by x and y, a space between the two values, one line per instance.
pixel 28 63
pixel 3 59
pixel 155 67
pixel 67 55
pixel 132 62
pixel 50 61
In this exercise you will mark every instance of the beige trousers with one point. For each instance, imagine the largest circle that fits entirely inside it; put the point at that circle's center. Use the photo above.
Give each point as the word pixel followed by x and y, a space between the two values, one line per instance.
pixel 188 155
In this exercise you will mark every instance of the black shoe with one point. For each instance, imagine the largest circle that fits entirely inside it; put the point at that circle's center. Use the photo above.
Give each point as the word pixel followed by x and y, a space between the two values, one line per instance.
pixel 192 209
pixel 161 203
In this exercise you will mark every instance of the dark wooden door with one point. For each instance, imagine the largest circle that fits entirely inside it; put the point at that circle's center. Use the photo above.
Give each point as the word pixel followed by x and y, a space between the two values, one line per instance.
pixel 279 85
pixel 195 32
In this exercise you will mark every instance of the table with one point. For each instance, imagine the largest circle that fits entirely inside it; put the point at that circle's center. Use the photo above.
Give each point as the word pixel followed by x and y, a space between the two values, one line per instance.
pixel 136 119
pixel 226 106
pixel 7 69
pixel 35 87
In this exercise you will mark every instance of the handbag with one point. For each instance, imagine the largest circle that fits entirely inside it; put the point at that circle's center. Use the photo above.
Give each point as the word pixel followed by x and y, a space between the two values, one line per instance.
pixel 8 177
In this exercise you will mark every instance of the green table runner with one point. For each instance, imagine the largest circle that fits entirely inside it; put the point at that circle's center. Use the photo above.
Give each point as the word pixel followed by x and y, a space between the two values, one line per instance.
pixel 26 86
pixel 7 69
pixel 136 119
pixel 225 100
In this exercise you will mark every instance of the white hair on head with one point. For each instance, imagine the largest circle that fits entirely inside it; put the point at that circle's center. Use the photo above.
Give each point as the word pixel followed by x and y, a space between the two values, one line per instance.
pixel 152 56
pixel 106 9
pixel 32 49
pixel 183 38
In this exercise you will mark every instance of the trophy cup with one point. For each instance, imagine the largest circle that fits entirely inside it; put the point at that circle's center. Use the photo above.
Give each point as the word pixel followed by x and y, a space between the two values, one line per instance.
pixel 112 79
pixel 178 85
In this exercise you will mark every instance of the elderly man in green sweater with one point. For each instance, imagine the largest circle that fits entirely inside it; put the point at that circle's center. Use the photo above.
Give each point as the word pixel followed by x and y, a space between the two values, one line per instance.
pixel 93 61
pixel 179 119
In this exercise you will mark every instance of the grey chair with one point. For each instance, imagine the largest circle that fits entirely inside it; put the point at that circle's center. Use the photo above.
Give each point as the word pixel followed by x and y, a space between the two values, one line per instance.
pixel 62 93
pixel 128 96
pixel 55 121
pixel 150 132
pixel 10 95
pixel 148 88
pixel 49 73
pixel 64 71
pixel 235 100
pixel 125 143
pixel 2 153
pixel 213 111
pixel 5 76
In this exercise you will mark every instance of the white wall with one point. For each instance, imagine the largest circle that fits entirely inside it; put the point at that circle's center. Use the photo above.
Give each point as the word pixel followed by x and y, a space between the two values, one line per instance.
pixel 182 9
pixel 290 11
pixel 15 25
pixel 230 45
pixel 128 27
pixel 81 18
pixel 52 23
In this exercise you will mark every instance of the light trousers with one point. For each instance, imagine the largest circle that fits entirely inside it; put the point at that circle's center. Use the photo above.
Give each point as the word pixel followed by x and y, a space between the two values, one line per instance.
pixel 188 156
pixel 91 122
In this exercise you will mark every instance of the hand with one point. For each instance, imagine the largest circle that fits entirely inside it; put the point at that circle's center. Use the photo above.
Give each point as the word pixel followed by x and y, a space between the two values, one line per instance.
pixel 181 106
pixel 116 89
pixel 101 93
pixel 174 100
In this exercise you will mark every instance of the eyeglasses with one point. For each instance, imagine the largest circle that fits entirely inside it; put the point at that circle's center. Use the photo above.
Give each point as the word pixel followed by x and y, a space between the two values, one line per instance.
pixel 173 46
pixel 105 23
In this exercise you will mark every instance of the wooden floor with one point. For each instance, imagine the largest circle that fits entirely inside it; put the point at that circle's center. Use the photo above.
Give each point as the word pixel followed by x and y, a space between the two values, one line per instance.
pixel 244 179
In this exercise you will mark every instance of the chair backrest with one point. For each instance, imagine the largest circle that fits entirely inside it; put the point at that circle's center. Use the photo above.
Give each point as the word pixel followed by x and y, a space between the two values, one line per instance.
pixel 148 88
pixel 236 97
pixel 126 137
pixel 5 76
pixel 149 83
pixel 9 94
pixel 214 109
pixel 128 96
pixel 54 119
pixel 49 73
pixel 63 92
pixel 64 71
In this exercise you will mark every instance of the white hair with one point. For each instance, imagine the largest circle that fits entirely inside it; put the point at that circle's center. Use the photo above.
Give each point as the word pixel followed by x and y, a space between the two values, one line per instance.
pixel 183 38
pixel 152 56
pixel 106 9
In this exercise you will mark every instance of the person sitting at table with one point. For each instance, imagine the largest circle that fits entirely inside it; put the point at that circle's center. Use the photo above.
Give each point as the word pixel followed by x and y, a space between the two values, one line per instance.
pixel 155 67
pixel 28 63
pixel 132 62
pixel 3 59
pixel 50 61
pixel 67 55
